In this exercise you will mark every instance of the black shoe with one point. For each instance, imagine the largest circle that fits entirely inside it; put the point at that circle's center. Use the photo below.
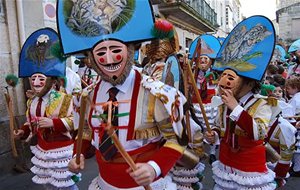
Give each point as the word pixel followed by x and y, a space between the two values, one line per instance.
pixel 212 158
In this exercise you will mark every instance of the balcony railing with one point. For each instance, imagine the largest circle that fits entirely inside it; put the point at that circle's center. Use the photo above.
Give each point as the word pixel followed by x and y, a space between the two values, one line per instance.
pixel 196 15
pixel 203 8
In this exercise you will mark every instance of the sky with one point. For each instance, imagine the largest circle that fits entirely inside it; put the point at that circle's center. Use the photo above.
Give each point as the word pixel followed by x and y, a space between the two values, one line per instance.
pixel 259 7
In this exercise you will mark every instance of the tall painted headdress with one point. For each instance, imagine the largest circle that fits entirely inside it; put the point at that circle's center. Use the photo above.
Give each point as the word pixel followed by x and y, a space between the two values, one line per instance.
pixel 210 46
pixel 248 48
pixel 279 54
pixel 295 46
pixel 83 23
pixel 42 53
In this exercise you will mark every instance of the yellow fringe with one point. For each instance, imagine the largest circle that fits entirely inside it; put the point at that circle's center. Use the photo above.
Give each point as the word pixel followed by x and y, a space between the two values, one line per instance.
pixel 272 101
pixel 147 133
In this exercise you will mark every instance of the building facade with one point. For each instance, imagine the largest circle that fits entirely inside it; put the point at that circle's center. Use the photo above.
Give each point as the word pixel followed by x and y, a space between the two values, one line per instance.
pixel 228 15
pixel 288 19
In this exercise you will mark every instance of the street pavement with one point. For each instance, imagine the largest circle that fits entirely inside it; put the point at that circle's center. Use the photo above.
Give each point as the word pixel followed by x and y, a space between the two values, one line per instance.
pixel 16 181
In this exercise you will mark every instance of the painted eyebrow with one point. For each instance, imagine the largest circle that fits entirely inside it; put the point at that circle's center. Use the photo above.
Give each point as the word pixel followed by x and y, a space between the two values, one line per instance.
pixel 110 47
pixel 230 75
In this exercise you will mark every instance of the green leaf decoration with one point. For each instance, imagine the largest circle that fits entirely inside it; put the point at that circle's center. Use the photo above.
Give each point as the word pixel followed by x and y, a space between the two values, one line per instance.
pixel 124 17
pixel 56 51
pixel 12 80
pixel 244 66
pixel 253 55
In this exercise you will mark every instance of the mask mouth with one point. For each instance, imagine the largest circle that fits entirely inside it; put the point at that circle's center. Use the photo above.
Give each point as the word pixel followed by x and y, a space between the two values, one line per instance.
pixel 112 67
pixel 222 88
pixel 37 88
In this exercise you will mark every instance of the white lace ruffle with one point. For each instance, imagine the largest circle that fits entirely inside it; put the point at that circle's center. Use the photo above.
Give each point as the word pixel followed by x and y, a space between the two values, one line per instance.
pixel 62 183
pixel 41 171
pixel 61 174
pixel 53 154
pixel 181 171
pixel 50 164
pixel 94 185
pixel 232 178
pixel 41 180
pixel 58 174
pixel 185 178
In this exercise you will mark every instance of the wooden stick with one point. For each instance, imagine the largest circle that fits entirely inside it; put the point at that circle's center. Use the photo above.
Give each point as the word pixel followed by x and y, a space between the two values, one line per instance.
pixel 11 124
pixel 199 100
pixel 292 117
pixel 84 84
pixel 83 102
pixel 119 146
pixel 186 93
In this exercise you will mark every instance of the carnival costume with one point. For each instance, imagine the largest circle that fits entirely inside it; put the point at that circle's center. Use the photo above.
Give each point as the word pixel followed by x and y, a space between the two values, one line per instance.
pixel 146 113
pixel 54 144
pixel 242 158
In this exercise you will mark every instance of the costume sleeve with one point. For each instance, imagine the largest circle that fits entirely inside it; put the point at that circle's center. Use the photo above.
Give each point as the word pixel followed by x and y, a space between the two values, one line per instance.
pixel 26 130
pixel 64 122
pixel 286 153
pixel 87 149
pixel 254 121
pixel 171 151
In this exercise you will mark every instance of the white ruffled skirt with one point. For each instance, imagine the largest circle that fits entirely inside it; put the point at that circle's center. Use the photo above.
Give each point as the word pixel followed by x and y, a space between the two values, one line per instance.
pixel 230 178
pixel 51 166
pixel 188 179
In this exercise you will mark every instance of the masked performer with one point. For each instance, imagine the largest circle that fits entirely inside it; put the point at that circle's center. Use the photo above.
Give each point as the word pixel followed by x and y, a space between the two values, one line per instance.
pixel 146 114
pixel 206 80
pixel 49 113
pixel 243 117
pixel 160 49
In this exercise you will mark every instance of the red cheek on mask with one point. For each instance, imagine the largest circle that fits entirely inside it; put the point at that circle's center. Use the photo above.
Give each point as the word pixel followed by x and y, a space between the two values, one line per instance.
pixel 42 83
pixel 101 59
pixel 118 57
pixel 228 83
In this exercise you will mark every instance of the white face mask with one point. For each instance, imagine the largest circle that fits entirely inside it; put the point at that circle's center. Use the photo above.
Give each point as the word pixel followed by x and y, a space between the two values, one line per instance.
pixel 38 82
pixel 111 57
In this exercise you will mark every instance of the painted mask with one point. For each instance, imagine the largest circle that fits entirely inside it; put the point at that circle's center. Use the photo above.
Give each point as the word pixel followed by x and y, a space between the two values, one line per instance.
pixel 38 82
pixel 230 80
pixel 204 63
pixel 111 57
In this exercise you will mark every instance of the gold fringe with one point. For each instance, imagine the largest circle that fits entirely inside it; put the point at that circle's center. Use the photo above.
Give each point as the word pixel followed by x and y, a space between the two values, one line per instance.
pixel 272 101
pixel 151 106
pixel 253 107
pixel 65 106
pixel 174 146
pixel 147 133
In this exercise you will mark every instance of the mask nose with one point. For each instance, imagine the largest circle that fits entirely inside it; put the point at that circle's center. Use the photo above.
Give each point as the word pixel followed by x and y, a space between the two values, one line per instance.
pixel 109 58
pixel 36 82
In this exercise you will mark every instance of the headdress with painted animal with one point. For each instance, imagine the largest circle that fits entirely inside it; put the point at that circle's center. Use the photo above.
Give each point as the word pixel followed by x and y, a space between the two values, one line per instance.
pixel 41 59
pixel 108 29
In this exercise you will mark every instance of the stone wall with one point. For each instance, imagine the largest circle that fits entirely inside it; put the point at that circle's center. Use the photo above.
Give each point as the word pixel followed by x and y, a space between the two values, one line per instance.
pixel 10 47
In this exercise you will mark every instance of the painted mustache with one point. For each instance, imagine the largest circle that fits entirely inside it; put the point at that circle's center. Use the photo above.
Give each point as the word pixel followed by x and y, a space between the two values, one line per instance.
pixel 112 67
